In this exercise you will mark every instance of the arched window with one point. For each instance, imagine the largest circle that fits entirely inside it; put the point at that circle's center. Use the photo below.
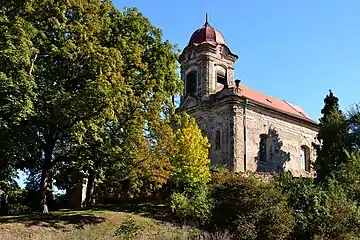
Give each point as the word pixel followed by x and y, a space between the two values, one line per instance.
pixel 263 148
pixel 191 82
pixel 305 158
pixel 217 140
pixel 221 77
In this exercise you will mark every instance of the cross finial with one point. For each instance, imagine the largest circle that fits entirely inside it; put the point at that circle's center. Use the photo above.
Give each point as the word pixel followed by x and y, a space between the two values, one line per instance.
pixel 206 18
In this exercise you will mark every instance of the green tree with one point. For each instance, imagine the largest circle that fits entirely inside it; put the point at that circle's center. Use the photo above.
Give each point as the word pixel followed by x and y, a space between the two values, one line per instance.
pixel 349 175
pixel 333 136
pixel 353 116
pixel 331 102
pixel 321 212
pixel 171 151
pixel 90 66
pixel 139 165
pixel 250 207
pixel 16 92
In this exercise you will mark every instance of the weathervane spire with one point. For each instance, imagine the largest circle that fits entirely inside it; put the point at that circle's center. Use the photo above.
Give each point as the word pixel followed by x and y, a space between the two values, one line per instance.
pixel 206 18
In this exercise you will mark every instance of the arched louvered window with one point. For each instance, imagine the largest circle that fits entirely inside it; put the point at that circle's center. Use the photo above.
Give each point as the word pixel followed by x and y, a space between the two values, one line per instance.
pixel 191 82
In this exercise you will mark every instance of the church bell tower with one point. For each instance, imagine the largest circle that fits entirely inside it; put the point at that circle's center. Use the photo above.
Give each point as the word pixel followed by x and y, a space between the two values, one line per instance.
pixel 207 69
pixel 207 64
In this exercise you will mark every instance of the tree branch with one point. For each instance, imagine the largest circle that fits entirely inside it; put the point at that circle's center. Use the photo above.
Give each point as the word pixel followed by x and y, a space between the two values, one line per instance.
pixel 32 64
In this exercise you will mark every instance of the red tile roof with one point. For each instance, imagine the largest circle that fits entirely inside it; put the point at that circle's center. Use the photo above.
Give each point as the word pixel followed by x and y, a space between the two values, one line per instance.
pixel 274 103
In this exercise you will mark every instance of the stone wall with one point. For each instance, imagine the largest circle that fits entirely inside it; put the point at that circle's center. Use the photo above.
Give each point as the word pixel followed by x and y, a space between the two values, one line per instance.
pixel 241 123
pixel 217 118
pixel 286 136
pixel 206 59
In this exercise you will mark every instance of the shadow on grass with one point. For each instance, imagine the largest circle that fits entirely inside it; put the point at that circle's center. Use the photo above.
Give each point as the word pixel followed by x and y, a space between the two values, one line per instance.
pixel 56 220
pixel 156 211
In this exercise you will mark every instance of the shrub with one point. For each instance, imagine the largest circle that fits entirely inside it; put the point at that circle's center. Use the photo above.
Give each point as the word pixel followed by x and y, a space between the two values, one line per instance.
pixel 320 211
pixel 17 205
pixel 219 235
pixel 250 208
pixel 129 229
pixel 344 216
pixel 192 206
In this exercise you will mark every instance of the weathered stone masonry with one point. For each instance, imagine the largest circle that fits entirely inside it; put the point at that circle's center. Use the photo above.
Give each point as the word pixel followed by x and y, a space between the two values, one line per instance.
pixel 248 130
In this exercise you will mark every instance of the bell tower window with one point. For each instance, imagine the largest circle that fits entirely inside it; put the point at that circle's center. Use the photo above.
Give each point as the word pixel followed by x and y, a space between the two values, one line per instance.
pixel 191 82
pixel 220 78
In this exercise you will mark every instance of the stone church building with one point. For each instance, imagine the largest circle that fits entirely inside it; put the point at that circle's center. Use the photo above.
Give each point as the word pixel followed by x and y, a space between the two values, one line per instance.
pixel 248 130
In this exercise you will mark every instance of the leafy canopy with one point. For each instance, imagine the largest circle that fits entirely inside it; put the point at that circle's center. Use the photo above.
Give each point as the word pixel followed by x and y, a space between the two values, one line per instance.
pixel 75 69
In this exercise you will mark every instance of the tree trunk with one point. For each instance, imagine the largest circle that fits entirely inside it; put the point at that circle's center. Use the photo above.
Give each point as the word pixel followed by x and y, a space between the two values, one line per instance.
pixel 4 204
pixel 45 176
pixel 89 200
pixel 43 189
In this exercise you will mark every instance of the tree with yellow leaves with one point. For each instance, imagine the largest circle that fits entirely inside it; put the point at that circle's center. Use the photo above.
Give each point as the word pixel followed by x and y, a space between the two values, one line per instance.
pixel 189 153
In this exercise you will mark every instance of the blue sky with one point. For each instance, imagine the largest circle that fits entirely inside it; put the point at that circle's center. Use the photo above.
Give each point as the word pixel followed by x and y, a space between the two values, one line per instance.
pixel 293 50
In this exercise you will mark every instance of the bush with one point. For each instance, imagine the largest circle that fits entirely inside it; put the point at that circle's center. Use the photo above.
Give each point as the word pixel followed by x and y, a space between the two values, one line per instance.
pixel 193 207
pixel 129 229
pixel 250 208
pixel 17 205
pixel 219 235
pixel 18 209
pixel 323 212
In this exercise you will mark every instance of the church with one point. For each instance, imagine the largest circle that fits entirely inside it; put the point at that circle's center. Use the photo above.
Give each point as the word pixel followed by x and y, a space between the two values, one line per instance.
pixel 249 131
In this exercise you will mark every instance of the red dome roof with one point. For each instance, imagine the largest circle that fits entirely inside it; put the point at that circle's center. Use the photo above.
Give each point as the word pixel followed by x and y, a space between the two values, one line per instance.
pixel 207 34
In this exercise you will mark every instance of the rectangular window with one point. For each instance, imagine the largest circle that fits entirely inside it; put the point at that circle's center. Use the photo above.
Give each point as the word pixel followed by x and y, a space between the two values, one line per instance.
pixel 263 148
pixel 305 158
pixel 302 158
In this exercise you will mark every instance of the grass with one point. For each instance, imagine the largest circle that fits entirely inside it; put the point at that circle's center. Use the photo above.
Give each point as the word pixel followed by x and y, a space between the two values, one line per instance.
pixel 120 222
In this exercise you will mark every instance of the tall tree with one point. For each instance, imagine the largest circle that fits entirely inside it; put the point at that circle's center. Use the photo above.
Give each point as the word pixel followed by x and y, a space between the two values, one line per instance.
pixel 189 153
pixel 333 137
pixel 16 91
pixel 331 103
pixel 176 153
pixel 354 121
pixel 171 151
pixel 90 65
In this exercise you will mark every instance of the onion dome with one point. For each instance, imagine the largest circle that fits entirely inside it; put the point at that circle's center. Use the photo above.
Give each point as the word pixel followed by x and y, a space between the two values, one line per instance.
pixel 206 34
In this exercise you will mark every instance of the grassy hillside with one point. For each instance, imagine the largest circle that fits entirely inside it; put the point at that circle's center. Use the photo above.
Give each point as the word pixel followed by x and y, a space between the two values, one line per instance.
pixel 92 224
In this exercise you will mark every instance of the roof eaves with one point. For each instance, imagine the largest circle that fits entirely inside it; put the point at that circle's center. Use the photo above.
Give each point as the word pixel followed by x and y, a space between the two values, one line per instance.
pixel 283 112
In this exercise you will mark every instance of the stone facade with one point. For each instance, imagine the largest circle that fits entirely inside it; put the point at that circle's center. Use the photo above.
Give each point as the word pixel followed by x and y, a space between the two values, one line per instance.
pixel 208 62
pixel 215 120
pixel 245 135
pixel 286 137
